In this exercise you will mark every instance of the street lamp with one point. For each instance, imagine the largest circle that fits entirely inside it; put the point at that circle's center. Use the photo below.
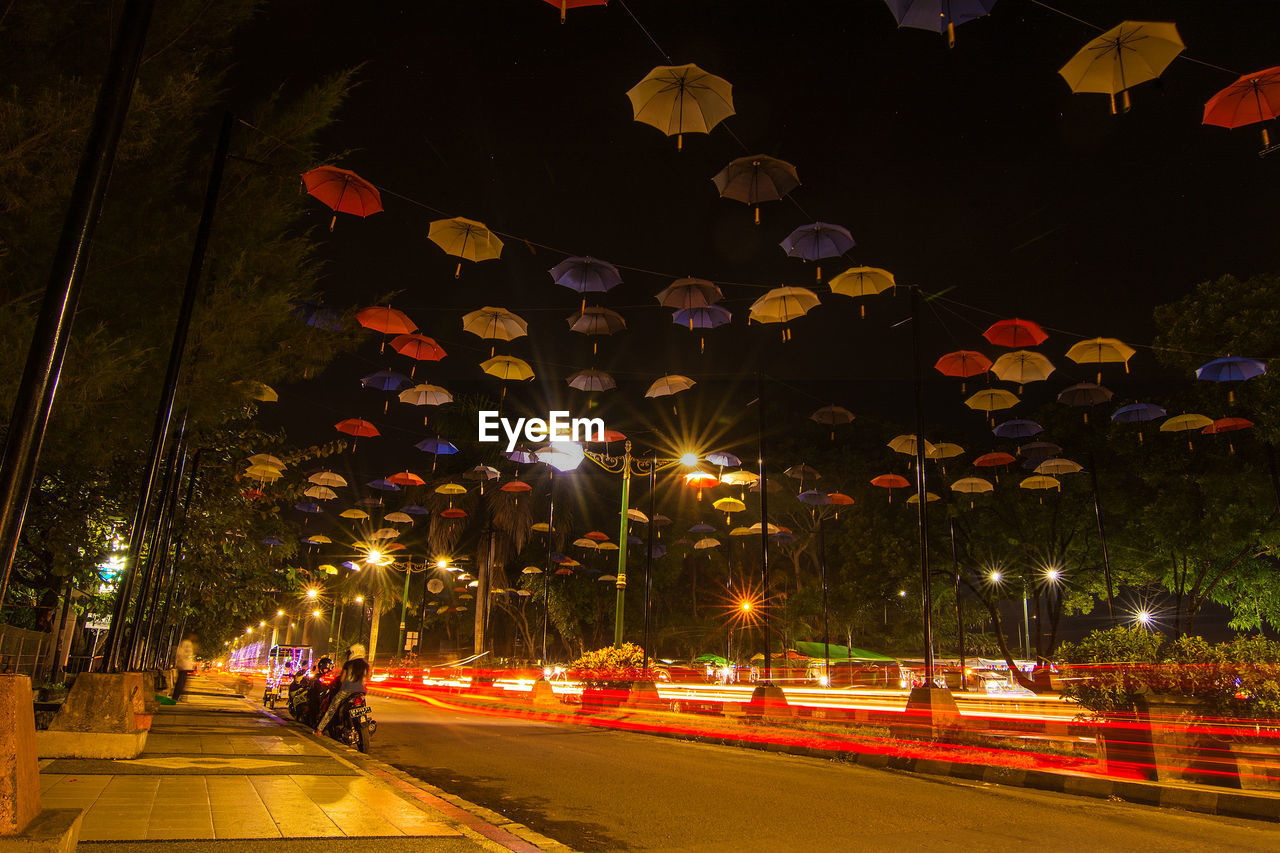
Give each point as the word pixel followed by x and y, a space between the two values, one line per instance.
pixel 562 456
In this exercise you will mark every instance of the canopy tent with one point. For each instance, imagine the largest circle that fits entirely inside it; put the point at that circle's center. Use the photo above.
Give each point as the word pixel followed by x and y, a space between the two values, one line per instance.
pixel 817 650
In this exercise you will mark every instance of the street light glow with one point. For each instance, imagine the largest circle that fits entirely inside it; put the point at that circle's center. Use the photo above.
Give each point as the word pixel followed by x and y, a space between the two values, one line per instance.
pixel 312 593
pixel 279 612
pixel 902 593
pixel 995 577
pixel 442 563
pixel 359 599
pixel 315 613
pixel 689 460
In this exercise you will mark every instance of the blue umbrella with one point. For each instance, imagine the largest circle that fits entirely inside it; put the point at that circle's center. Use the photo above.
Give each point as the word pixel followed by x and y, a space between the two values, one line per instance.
pixel 658 551
pixel 383 485
pixel 308 507
pixel 939 16
pixel 702 318
pixel 813 497
pixel 414 509
pixel 1136 413
pixel 438 446
pixel 272 540
pixel 385 380
pixel 633 539
pixel 316 315
pixel 351 564
pixel 817 241
pixel 585 274
pixel 1018 429
pixel 702 527
pixel 520 457
pixel 1231 369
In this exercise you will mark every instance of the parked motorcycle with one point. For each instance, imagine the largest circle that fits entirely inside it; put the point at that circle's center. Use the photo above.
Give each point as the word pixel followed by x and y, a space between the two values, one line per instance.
pixel 353 724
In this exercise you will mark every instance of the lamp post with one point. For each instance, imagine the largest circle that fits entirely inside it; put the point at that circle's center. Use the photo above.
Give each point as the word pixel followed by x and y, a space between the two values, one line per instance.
pixel 562 457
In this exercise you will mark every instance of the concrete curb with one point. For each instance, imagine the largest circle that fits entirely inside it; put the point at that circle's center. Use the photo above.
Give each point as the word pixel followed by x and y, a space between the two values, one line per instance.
pixel 1223 802
pixel 484 826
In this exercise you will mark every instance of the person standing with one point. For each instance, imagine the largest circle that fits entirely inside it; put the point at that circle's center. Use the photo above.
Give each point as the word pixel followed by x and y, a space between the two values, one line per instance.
pixel 349 681
pixel 184 659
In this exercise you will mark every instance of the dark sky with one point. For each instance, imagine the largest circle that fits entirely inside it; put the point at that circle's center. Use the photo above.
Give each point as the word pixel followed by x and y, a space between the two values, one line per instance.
pixel 973 169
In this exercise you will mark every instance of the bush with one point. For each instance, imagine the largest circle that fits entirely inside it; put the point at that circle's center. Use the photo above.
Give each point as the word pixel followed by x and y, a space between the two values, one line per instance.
pixel 609 665
pixel 1109 671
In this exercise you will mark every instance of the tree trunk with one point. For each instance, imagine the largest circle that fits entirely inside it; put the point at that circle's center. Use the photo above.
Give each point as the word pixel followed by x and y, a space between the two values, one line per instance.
pixel 373 627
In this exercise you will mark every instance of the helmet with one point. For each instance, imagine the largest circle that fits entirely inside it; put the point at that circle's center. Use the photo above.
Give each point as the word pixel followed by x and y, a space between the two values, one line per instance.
pixel 355 652
pixel 324 665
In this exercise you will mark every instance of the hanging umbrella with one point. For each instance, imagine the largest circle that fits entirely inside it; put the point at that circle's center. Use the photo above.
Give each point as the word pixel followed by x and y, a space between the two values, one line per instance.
pixel 405 478
pixel 1058 467
pixel 816 241
pixel 704 544
pixel 686 293
pixel 1252 99
pixel 483 473
pixel 591 380
pixel 1018 429
pixel 1101 351
pixel 385 380
pixel 1084 394
pixel 972 486
pixel 321 493
pixel 418 348
pixel 995 459
pixel 700 480
pixel 1015 333
pixel 425 395
pixel 723 459
pixel 357 514
pixel 739 478
pixel 862 281
pixel 585 274
pixel 938 16
pixel 384 533
pixel 328 478
pixel 1022 366
pixel 702 527
pixel 566 5
pixel 756 178
pixel 1231 369
pixel 263 392
pixel 589 544
pixel 1040 481
pixel 1038 450
pixel 357 427
pixel 398 518
pixel 729 506
pixel 963 364
pixel 1186 423
pixel 383 485
pixel 840 499
pixel 680 99
pixel 832 416
pixel 308 507
pixel 265 473
pixel 802 472
pixel 266 459
pixel 414 509
pixel 595 320
pixel 437 447
pixel 386 319
pixel 1122 57
pixel 668 384
pixel 906 445
pixel 1224 425
pixel 508 368
pixel 992 400
pixel 944 450
pixel 342 192
pixel 1136 413
pixel 706 317
pixel 890 482
pixel 928 496
pixel 782 305
pixel 316 315
pixel 494 324
pixel 318 539
pixel 813 497
pixel 466 239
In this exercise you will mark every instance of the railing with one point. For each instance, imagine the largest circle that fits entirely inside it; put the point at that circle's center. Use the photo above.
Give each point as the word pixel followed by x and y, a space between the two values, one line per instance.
pixel 25 652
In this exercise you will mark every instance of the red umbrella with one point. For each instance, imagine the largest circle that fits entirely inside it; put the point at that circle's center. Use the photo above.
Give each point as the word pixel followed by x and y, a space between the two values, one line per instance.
pixel 1252 99
pixel 418 348
pixel 994 460
pixel 342 192
pixel 405 478
pixel 1015 333
pixel 386 319
pixel 566 5
pixel 517 486
pixel 963 363
pixel 453 512
pixel 1222 425
pixel 840 499
pixel 357 427
pixel 891 481
pixel 596 536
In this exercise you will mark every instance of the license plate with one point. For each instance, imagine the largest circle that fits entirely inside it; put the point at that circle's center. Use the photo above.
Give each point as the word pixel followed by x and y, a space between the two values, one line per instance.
pixel 361 711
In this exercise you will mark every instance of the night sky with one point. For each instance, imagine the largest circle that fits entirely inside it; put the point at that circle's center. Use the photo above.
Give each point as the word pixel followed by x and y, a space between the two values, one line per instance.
pixel 973 171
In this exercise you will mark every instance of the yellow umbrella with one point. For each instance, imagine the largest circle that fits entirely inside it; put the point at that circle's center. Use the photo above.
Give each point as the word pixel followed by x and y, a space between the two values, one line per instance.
pixel 1057 467
pixel 680 99
pixel 1186 423
pixel 354 513
pixel 729 506
pixel 862 281
pixel 972 486
pixel 1101 351
pixel 451 489
pixel 743 531
pixel 262 392
pixel 992 400
pixel 265 473
pixel 1123 57
pixel 328 478
pixel 321 493
pixel 929 496
pixel 1040 481
pixel 1022 366
pixel 494 324
pixel 782 305
pixel 906 444
pixel 465 239
pixel 508 368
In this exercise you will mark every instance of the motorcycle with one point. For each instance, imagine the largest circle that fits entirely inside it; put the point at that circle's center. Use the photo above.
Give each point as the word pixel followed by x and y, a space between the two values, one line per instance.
pixel 353 724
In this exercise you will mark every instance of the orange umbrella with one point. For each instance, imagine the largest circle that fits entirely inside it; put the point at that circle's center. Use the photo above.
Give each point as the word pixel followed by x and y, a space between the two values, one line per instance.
pixel 342 191
pixel 405 478
pixel 418 348
pixel 891 482
pixel 565 5
pixel 1252 99
pixel 357 427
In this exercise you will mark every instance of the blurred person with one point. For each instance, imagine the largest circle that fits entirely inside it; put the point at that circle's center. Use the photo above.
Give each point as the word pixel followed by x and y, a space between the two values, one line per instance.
pixel 184 660
pixel 349 682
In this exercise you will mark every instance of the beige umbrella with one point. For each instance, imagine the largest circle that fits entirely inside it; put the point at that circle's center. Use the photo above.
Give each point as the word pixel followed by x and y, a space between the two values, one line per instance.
pixel 906 445
pixel 671 383
pixel 265 473
pixel 328 478
pixel 1123 57
pixel 494 324
pixel 782 305
pixel 680 99
pixel 1057 467
pixel 465 239
pixel 321 493
pixel 266 459
pixel 972 486
pixel 425 395
pixel 1022 366
pixel 398 518
pixel 862 281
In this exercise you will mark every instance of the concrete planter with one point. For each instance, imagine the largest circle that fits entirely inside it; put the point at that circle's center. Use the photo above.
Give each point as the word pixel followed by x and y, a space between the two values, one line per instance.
pixel 66 744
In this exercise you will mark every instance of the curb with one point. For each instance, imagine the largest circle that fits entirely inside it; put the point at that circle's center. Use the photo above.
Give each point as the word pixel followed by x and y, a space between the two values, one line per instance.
pixel 1225 803
pixel 484 826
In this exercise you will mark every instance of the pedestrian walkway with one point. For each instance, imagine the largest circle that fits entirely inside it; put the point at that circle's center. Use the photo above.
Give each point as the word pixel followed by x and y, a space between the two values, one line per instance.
pixel 217 767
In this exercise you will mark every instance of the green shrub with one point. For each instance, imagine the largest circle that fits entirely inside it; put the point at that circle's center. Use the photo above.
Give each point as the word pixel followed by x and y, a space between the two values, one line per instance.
pixel 609 665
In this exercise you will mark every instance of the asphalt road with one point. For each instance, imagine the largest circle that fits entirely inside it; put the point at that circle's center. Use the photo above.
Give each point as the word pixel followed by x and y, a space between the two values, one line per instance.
pixel 594 789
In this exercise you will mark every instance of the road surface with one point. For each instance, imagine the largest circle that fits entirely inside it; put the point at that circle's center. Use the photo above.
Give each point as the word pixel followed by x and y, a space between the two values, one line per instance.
pixel 595 789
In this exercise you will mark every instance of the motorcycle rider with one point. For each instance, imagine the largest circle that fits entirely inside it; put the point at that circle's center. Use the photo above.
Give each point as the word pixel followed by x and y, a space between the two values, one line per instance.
pixel 350 681
pixel 315 688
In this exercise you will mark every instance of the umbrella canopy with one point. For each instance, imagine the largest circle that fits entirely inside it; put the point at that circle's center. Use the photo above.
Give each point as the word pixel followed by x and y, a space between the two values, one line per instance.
pixel 840 499
pixel 591 380
pixel 383 485
pixel 802 472
pixel 266 473
pixel 321 493
pixel 450 489
pixel 992 400
pixel 318 539
pixel 1015 333
pixel 342 191
pixel 813 497
pixel 494 324
pixel 508 368
pixel 704 317
pixel 686 293
pixel 1038 450
pixel 483 472
pixel 723 458
pixel 1101 351
pixel 1057 467
pixel 385 380
pixel 1084 394
pixel 425 395
pixel 962 363
pixel 585 274
pixel 703 544
pixel 357 427
pixel 418 347
pixel 944 450
pixel 266 459
pixel 565 5
pixel 1186 423
pixel 405 478
pixel 1135 413
pixel 928 496
pixel 938 16
pixel 398 518
pixel 1123 57
pixel 328 478
pixel 1222 425
pixel 729 505
pixel 1252 99
pixel 308 507
pixel 739 478
pixel 680 99
pixel 816 241
pixel 357 514
pixel 263 392
pixel 1022 366
pixel 438 446
pixel 595 320
pixel 906 444
pixel 466 239
pixel 972 486
pixel 516 487
pixel 1231 369
pixel 1018 429
pixel 994 460
pixel 782 305
pixel 862 281
pixel 890 481
pixel 832 415
pixel 386 319
pixel 756 178
pixel 1040 481
pixel 671 383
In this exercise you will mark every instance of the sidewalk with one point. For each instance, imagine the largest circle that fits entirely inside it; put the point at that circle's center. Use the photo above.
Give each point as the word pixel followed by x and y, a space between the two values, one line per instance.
pixel 217 767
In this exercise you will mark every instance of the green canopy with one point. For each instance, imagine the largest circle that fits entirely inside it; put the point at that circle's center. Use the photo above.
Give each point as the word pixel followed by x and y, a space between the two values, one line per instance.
pixel 710 658
pixel 839 653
